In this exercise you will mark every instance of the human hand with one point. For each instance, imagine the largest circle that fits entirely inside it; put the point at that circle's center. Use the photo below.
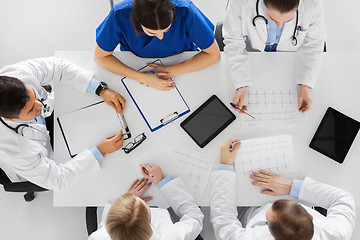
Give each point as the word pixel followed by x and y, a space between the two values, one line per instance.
pixel 111 144
pixel 239 99
pixel 152 172
pixel 113 99
pixel 154 81
pixel 163 72
pixel 276 185
pixel 305 99
pixel 228 156
pixel 138 187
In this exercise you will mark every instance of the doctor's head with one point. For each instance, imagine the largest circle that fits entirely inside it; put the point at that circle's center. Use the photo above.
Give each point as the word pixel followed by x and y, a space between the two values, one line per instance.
pixel 17 100
pixel 129 218
pixel 281 11
pixel 289 220
pixel 152 17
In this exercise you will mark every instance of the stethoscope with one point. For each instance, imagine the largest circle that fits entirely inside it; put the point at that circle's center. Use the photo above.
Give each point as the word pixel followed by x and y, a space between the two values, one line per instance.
pixel 20 129
pixel 293 38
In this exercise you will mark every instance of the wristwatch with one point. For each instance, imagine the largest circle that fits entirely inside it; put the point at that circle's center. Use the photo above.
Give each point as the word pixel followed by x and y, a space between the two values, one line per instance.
pixel 102 86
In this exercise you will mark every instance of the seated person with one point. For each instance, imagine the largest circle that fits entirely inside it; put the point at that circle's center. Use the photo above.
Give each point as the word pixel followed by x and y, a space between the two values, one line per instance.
pixel 25 149
pixel 156 29
pixel 274 26
pixel 283 219
pixel 131 218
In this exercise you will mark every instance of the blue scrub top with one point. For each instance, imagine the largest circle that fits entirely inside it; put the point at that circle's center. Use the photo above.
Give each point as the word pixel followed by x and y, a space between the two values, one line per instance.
pixel 190 27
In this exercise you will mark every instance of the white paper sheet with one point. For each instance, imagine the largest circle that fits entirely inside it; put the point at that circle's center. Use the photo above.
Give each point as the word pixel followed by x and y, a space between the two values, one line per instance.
pixel 197 166
pixel 272 154
pixel 83 130
pixel 154 104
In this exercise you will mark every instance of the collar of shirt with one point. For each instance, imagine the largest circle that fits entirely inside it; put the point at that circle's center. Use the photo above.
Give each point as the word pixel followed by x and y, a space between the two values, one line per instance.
pixel 38 120
pixel 274 33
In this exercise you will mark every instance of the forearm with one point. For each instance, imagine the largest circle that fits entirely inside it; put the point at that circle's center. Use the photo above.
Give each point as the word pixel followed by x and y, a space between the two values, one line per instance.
pixel 195 63
pixel 114 65
pixel 223 212
pixel 184 205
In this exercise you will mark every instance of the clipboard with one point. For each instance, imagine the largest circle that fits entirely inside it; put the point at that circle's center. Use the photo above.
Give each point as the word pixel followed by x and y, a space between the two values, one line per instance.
pixel 158 108
pixel 81 129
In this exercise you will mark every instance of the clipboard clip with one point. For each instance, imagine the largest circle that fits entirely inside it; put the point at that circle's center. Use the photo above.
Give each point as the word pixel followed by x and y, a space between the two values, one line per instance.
pixel 171 117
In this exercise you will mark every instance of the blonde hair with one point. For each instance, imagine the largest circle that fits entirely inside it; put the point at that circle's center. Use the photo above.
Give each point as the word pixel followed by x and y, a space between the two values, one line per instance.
pixel 128 219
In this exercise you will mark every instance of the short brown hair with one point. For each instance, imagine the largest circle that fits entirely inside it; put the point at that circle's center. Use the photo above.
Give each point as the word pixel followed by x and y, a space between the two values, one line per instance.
pixel 13 96
pixel 291 221
pixel 152 14
pixel 128 219
pixel 282 6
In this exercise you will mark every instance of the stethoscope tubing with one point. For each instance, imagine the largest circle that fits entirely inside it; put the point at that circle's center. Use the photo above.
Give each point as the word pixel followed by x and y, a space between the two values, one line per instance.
pixel 293 37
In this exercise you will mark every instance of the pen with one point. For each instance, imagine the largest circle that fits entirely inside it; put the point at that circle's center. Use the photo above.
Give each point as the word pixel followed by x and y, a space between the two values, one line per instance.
pixel 126 133
pixel 173 85
pixel 146 171
pixel 234 106
pixel 124 124
pixel 233 145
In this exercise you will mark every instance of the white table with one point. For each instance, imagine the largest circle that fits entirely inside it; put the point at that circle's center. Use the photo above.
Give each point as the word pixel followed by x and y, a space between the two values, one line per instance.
pixel 338 86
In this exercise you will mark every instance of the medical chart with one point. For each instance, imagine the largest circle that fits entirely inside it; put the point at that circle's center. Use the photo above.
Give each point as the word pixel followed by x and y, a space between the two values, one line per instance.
pixel 271 106
pixel 197 166
pixel 272 154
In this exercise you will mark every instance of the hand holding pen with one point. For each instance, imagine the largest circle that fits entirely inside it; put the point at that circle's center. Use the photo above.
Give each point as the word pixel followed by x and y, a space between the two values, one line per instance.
pixel 154 81
pixel 152 172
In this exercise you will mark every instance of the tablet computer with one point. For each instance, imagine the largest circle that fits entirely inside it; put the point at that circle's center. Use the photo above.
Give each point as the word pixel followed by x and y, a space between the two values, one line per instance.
pixel 206 122
pixel 335 135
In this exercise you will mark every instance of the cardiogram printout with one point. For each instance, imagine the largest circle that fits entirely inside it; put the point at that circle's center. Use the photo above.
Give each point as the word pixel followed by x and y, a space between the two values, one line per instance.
pixel 273 100
pixel 197 166
pixel 272 154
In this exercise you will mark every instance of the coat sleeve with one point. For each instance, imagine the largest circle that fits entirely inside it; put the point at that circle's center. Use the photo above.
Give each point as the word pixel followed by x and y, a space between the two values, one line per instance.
pixel 184 205
pixel 46 173
pixel 340 205
pixel 309 55
pixel 235 46
pixel 52 71
pixel 223 212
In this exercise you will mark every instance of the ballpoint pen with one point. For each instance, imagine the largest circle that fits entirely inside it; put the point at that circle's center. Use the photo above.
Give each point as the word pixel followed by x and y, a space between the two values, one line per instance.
pixel 234 106
pixel 146 171
pixel 173 85
pixel 233 145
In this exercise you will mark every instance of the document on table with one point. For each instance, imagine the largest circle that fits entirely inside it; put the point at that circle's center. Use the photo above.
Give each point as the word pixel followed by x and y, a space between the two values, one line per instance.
pixel 197 166
pixel 163 156
pixel 272 154
pixel 276 104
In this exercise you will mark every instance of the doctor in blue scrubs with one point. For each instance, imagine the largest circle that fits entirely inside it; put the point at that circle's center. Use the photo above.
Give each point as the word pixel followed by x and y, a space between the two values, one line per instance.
pixel 156 29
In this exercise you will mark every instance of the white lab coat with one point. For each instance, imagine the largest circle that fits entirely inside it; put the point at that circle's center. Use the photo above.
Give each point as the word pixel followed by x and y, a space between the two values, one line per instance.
pixel 25 159
pixel 338 225
pixel 183 204
pixel 238 29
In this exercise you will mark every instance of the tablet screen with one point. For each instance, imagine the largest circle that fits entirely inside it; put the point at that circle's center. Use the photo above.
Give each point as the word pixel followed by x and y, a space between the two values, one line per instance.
pixel 335 135
pixel 208 121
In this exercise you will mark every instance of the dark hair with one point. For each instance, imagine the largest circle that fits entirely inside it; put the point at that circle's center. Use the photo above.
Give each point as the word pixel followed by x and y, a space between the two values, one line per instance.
pixel 13 96
pixel 152 14
pixel 283 6
pixel 291 221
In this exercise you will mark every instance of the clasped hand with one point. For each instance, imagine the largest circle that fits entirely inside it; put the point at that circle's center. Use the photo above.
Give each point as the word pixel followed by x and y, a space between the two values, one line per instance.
pixel 113 99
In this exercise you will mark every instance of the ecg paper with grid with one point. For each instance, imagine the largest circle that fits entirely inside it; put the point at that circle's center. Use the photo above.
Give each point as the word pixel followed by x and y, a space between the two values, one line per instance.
pixel 271 106
pixel 197 167
pixel 273 154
